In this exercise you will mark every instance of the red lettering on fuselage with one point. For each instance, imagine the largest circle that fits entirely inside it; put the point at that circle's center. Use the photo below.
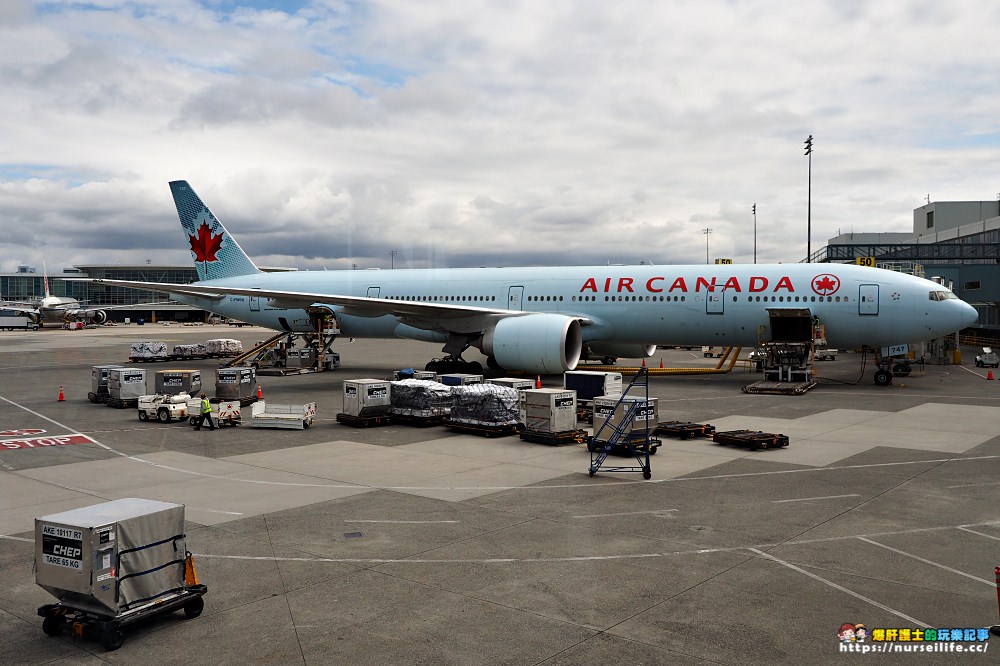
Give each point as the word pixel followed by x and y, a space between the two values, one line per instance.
pixel 624 284
pixel 679 284
pixel 732 284
pixel 702 282
pixel 649 285
pixel 590 284
pixel 784 283
pixel 756 284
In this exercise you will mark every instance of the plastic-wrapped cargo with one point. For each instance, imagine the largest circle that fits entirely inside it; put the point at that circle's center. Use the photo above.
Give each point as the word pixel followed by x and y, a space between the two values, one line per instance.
pixel 149 350
pixel 126 383
pixel 113 557
pixel 484 405
pixel 235 383
pixel 419 397
pixel 608 409
pixel 191 351
pixel 366 397
pixel 174 382
pixel 548 410
pixel 224 347
pixel 590 384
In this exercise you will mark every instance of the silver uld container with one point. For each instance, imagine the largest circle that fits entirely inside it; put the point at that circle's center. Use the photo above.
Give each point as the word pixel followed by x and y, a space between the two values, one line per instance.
pixel 113 557
pixel 174 382
pixel 590 384
pixel 608 409
pixel 512 382
pixel 235 383
pixel 366 397
pixel 99 377
pixel 460 379
pixel 126 383
pixel 548 409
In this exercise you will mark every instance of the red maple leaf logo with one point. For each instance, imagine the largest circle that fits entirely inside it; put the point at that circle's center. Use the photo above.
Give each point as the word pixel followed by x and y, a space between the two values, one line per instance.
pixel 826 284
pixel 204 244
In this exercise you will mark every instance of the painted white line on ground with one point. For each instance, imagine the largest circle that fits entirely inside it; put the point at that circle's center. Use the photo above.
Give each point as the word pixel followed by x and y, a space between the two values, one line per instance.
pixel 626 513
pixel 982 534
pixel 810 499
pixel 840 587
pixel 403 522
pixel 589 558
pixel 14 538
pixel 926 561
pixel 228 513
pixel 973 485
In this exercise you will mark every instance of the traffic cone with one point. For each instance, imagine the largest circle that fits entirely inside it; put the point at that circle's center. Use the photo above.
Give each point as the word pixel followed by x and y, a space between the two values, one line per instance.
pixel 538 381
pixel 644 363
pixel 62 398
pixel 260 394
pixel 661 361
pixel 989 375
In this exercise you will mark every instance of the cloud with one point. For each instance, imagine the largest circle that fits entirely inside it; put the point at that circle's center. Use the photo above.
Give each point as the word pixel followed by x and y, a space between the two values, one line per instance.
pixel 476 133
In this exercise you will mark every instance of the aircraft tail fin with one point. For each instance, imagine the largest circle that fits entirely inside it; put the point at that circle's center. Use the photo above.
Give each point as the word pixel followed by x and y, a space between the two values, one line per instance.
pixel 45 278
pixel 215 252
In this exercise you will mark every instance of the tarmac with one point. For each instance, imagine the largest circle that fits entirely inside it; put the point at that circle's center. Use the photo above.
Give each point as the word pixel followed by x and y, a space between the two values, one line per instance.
pixel 405 545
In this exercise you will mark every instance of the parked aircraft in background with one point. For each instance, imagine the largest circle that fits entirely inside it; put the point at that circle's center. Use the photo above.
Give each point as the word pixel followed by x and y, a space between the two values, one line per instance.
pixel 57 308
pixel 541 320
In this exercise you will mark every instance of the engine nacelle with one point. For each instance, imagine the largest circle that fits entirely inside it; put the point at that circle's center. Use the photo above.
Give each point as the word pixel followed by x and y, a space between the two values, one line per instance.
pixel 98 316
pixel 542 343
pixel 620 350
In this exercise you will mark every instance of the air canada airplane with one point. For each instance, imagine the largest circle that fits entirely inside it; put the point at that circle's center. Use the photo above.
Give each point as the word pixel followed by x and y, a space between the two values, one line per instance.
pixel 57 308
pixel 542 320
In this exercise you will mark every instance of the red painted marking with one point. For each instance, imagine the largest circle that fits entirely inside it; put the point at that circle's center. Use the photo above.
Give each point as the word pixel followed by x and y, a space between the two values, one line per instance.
pixel 41 442
pixel 20 433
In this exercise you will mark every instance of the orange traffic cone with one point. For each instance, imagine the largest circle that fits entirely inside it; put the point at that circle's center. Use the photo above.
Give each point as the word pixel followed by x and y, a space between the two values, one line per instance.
pixel 260 394
pixel 644 363
pixel 661 361
pixel 62 398
pixel 989 375
pixel 538 381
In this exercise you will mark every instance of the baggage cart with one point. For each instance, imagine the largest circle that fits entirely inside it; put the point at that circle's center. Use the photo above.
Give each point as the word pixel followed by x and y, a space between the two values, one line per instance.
pixel 113 564
pixel 752 439
pixel 684 429
pixel 224 412
pixel 269 415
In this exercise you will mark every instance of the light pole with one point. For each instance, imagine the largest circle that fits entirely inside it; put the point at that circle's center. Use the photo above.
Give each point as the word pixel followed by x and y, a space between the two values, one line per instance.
pixel 754 209
pixel 706 231
pixel 809 204
pixel 392 258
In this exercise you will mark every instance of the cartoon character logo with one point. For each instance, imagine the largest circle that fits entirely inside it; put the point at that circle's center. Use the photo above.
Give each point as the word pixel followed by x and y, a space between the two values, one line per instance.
pixel 204 244
pixel 846 633
pixel 860 633
pixel 825 284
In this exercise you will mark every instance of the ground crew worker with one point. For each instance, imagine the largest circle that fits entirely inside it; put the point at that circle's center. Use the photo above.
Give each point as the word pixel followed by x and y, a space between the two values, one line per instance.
pixel 206 413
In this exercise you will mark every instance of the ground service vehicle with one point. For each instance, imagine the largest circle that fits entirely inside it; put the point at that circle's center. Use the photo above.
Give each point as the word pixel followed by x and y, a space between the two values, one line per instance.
pixel 164 408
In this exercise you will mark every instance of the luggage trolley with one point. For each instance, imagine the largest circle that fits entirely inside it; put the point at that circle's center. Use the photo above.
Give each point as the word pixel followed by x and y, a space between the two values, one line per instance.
pixel 623 437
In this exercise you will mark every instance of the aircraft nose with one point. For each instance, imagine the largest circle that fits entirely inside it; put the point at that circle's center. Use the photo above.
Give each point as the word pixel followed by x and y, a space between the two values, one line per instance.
pixel 969 316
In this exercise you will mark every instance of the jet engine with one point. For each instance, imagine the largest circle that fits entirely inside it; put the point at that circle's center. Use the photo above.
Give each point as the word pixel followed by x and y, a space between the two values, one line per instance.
pixel 97 316
pixel 619 350
pixel 541 343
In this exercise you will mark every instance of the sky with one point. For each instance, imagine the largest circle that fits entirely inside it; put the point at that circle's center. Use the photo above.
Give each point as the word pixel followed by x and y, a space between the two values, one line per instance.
pixel 330 134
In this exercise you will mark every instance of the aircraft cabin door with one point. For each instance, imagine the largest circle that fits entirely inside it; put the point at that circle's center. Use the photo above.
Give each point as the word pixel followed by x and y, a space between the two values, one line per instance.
pixel 373 292
pixel 514 297
pixel 715 302
pixel 255 304
pixel 868 299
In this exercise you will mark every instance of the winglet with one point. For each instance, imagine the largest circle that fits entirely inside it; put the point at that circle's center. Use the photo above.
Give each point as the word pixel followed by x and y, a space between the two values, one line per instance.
pixel 215 252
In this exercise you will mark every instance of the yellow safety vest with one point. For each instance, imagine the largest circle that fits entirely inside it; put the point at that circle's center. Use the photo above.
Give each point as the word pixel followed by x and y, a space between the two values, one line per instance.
pixel 206 406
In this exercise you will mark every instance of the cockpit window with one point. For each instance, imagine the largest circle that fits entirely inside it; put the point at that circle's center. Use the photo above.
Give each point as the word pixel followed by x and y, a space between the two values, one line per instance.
pixel 940 295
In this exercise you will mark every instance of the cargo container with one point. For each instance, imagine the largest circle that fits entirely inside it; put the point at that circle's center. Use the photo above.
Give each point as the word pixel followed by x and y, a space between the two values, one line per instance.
pixel 548 409
pixel 460 379
pixel 99 382
pixel 366 397
pixel 235 383
pixel 590 384
pixel 608 409
pixel 512 382
pixel 111 562
pixel 174 382
pixel 126 384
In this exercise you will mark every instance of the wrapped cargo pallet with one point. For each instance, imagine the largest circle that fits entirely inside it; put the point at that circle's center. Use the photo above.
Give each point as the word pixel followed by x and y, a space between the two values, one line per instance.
pixel 484 405
pixel 191 351
pixel 149 350
pixel 420 398
pixel 224 347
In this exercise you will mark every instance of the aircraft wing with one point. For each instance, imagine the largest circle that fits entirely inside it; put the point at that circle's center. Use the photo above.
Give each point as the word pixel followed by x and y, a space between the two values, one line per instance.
pixel 421 315
pixel 20 306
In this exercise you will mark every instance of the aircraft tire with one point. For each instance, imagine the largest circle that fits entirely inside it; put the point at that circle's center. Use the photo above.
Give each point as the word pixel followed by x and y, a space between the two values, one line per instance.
pixel 883 378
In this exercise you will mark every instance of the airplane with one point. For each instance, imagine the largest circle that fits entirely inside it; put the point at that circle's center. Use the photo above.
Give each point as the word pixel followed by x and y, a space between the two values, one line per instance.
pixel 57 308
pixel 544 319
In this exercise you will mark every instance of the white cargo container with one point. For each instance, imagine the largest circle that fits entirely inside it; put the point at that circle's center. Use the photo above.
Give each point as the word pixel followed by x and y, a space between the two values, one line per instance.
pixel 548 410
pixel 366 397
pixel 174 382
pixel 460 379
pixel 590 384
pixel 235 383
pixel 126 383
pixel 99 382
pixel 512 382
pixel 608 409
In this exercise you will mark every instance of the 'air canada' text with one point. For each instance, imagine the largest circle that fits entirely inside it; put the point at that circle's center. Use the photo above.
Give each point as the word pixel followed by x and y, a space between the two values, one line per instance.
pixel 656 285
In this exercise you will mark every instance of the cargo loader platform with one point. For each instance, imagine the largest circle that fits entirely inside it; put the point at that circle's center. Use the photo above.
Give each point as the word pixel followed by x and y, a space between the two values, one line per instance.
pixel 554 438
pixel 684 429
pixel 779 388
pixel 752 439
pixel 418 421
pixel 365 421
pixel 484 430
